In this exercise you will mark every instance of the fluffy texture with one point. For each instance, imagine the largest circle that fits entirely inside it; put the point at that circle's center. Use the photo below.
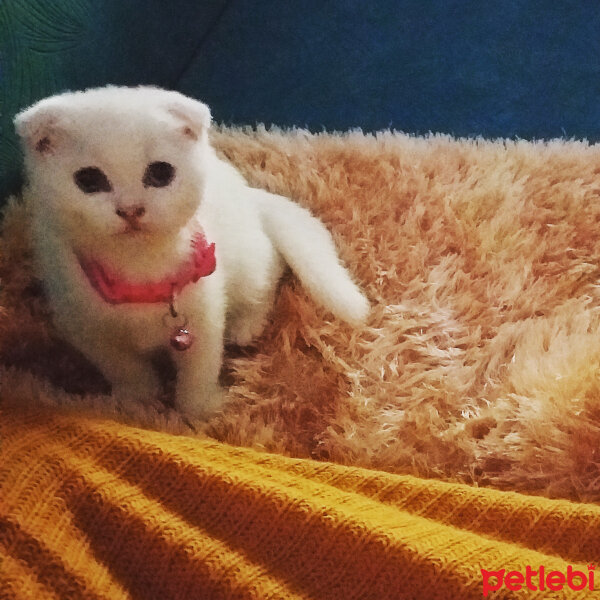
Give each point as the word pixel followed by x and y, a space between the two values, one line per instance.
pixel 123 180
pixel 481 358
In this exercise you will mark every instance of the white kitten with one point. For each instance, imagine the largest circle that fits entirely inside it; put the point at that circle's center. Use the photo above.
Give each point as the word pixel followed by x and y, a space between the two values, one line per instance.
pixel 128 198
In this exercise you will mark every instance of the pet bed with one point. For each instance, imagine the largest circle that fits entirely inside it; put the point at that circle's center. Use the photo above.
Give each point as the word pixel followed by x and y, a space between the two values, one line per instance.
pixel 459 430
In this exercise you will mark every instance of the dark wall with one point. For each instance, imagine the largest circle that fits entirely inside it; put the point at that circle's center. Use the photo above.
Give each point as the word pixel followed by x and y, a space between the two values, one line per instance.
pixel 521 68
pixel 498 69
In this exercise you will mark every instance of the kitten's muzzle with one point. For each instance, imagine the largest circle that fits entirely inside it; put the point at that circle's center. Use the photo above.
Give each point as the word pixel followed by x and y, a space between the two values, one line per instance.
pixel 131 215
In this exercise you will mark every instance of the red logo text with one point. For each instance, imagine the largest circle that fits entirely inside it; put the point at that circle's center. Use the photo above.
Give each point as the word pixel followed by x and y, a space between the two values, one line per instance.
pixel 537 580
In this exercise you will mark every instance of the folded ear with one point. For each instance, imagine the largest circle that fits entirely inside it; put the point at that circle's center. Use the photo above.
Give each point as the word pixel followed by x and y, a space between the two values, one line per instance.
pixel 39 128
pixel 194 115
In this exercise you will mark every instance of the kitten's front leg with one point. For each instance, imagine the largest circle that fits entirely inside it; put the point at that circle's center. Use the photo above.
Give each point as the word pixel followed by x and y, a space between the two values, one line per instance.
pixel 131 375
pixel 198 393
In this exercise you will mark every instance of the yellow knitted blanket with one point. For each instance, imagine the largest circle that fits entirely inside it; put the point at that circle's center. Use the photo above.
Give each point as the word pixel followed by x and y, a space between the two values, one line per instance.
pixel 94 509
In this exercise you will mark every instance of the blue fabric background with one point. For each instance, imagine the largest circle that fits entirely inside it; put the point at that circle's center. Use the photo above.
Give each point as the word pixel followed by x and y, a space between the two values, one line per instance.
pixel 513 68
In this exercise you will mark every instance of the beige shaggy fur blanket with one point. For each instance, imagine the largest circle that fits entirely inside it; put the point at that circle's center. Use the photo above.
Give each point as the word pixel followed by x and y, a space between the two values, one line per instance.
pixel 481 359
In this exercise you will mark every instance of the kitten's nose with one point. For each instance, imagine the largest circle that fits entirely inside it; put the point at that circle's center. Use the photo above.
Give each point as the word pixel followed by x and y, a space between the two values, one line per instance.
pixel 131 212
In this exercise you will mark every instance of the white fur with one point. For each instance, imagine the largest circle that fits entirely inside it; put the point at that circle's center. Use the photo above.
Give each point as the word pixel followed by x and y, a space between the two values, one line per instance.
pixel 121 131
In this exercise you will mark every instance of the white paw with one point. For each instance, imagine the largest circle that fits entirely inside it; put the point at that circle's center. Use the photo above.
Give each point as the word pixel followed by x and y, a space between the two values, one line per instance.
pixel 243 331
pixel 201 404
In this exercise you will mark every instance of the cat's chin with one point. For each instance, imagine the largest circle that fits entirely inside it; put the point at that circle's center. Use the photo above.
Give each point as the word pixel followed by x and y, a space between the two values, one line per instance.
pixel 137 233
pixel 132 233
pixel 134 239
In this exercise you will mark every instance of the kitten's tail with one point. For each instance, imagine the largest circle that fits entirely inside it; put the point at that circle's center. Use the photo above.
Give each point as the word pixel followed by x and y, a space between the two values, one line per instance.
pixel 308 248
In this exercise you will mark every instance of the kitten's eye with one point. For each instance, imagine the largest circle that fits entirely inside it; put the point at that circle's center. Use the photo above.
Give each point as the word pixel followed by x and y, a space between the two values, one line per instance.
pixel 92 180
pixel 158 174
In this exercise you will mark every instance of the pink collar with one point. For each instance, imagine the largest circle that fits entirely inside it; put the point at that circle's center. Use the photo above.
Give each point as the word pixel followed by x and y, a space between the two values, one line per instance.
pixel 200 263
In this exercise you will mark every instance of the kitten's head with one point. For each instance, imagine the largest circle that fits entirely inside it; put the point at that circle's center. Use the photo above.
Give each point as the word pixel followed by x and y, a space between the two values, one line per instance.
pixel 116 163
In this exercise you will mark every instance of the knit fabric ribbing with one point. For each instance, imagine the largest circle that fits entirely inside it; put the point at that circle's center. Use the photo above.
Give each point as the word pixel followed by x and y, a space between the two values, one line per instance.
pixel 95 509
